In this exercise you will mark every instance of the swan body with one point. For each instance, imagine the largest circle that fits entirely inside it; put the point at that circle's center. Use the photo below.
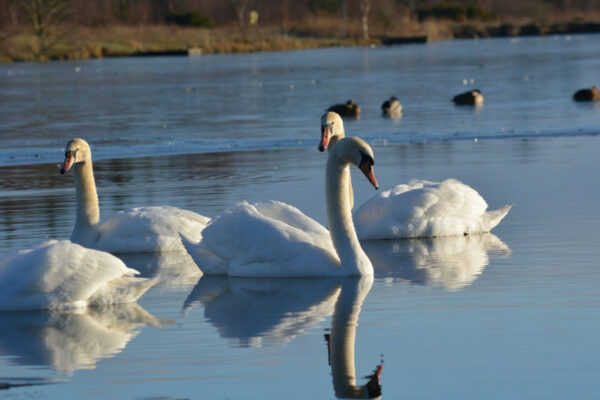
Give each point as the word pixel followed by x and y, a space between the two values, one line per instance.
pixel 426 209
pixel 145 229
pixel 277 240
pixel 149 229
pixel 65 275
pixel 419 208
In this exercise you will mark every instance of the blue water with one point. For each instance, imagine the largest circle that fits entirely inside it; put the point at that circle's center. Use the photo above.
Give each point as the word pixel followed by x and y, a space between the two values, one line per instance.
pixel 508 315
pixel 131 107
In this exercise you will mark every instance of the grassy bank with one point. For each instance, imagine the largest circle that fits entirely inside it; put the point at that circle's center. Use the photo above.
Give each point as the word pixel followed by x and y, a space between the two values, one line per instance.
pixel 118 41
pixel 76 42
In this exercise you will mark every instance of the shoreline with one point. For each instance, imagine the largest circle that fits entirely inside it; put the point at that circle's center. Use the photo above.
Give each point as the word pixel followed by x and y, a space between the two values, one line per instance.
pixel 150 41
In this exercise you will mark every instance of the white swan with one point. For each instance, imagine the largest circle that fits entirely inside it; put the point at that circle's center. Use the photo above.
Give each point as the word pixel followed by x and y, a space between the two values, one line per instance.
pixel 426 209
pixel 138 230
pixel 65 275
pixel 275 239
pixel 419 208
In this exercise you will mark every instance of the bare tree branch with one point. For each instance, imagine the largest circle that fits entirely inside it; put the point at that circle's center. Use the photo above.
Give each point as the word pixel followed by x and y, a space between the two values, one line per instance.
pixel 44 14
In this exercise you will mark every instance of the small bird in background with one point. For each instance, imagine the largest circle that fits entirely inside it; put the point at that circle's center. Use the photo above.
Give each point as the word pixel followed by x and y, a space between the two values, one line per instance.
pixel 469 98
pixel 392 108
pixel 350 109
pixel 591 94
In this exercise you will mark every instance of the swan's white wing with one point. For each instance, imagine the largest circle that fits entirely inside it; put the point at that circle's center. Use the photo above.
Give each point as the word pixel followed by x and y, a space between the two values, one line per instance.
pixel 64 274
pixel 150 229
pixel 426 209
pixel 294 218
pixel 270 239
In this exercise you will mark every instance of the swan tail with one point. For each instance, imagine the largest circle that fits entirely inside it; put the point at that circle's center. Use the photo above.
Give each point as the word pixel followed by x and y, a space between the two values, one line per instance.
pixel 125 289
pixel 208 263
pixel 493 218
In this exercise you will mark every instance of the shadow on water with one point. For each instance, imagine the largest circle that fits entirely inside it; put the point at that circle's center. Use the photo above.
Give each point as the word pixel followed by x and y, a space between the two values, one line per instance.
pixel 66 342
pixel 452 262
pixel 11 383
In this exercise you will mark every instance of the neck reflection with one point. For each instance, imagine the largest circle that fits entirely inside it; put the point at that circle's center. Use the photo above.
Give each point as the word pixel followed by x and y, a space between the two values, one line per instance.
pixel 341 343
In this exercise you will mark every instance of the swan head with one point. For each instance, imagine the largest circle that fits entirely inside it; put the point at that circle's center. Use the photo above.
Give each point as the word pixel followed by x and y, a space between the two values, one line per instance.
pixel 356 151
pixel 77 151
pixel 332 130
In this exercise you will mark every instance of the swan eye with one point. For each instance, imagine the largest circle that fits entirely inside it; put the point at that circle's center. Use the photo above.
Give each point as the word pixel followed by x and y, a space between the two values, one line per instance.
pixel 366 159
pixel 326 126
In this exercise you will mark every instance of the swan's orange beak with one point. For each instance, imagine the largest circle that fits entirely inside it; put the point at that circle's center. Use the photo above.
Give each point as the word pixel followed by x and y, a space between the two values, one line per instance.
pixel 69 160
pixel 367 169
pixel 325 137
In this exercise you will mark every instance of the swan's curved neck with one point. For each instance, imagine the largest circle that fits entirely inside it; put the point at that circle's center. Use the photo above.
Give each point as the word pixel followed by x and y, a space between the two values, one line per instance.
pixel 353 259
pixel 88 212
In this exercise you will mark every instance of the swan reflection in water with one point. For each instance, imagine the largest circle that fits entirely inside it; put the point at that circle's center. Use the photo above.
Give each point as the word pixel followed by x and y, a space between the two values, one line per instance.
pixel 259 312
pixel 341 342
pixel 256 312
pixel 67 342
pixel 452 262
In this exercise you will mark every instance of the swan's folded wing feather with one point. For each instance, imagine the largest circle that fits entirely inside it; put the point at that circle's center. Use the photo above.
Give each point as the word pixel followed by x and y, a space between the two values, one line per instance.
pixel 254 238
pixel 423 209
pixel 293 217
pixel 150 229
pixel 57 273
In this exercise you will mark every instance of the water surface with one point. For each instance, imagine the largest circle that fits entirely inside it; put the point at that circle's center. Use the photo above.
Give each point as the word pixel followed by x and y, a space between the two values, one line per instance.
pixel 512 314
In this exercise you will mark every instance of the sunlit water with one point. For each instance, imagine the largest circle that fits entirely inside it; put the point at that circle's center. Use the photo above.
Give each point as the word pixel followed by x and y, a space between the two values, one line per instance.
pixel 508 315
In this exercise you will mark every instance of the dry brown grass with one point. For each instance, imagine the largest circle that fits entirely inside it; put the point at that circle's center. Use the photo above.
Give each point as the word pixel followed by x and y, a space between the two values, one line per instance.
pixel 84 42
pixel 70 42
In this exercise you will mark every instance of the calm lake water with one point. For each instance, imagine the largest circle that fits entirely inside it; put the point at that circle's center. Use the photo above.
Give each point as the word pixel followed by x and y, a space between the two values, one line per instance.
pixel 508 315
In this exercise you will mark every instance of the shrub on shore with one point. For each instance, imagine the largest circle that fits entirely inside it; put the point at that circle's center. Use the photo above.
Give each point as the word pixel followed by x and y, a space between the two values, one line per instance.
pixel 193 19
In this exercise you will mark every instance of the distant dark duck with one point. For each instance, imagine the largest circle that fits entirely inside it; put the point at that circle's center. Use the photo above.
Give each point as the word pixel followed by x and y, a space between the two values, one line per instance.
pixel 591 94
pixel 391 108
pixel 350 109
pixel 470 98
